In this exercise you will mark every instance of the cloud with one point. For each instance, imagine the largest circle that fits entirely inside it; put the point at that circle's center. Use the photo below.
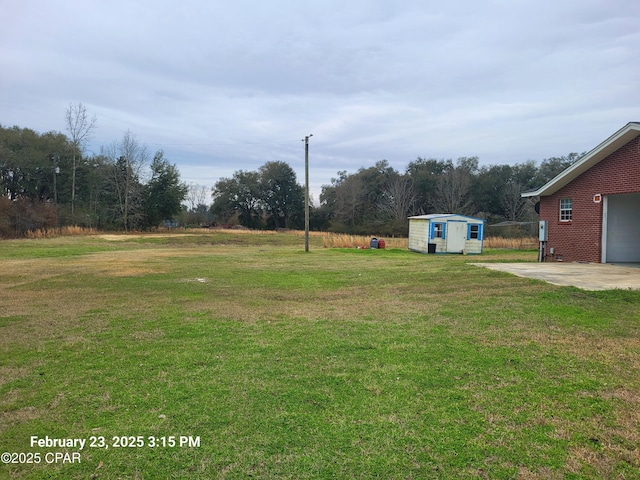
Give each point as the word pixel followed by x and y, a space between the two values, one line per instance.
pixel 222 86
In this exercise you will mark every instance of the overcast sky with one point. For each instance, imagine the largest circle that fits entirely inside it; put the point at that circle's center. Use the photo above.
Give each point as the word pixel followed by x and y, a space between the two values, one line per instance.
pixel 228 85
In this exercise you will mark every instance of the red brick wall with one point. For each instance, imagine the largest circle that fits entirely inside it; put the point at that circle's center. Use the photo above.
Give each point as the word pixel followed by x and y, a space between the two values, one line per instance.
pixel 580 239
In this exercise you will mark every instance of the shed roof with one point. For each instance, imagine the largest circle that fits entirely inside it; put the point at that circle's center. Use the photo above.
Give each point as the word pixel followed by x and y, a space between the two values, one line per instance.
pixel 433 216
pixel 623 136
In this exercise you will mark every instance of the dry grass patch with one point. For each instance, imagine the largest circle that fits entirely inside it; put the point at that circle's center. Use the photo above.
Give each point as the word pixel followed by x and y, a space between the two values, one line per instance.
pixel 9 374
pixel 19 272
pixel 31 294
pixel 147 335
pixel 44 316
pixel 525 243
pixel 13 417
pixel 60 232
pixel 332 240
pixel 335 240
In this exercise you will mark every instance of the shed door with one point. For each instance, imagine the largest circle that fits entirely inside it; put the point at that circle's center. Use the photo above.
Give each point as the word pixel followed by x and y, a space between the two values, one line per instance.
pixel 456 236
pixel 622 241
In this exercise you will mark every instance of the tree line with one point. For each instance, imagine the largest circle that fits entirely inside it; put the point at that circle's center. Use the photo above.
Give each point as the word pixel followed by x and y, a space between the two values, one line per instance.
pixel 378 199
pixel 47 180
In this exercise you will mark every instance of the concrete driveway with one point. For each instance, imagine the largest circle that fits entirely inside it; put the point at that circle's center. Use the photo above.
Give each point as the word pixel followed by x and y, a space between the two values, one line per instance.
pixel 588 276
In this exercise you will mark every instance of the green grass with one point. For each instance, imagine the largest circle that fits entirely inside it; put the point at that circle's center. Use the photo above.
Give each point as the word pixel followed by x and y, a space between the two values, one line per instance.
pixel 328 364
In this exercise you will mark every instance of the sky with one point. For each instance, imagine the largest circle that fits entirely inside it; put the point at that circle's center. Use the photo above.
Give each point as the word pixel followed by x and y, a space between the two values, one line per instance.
pixel 222 86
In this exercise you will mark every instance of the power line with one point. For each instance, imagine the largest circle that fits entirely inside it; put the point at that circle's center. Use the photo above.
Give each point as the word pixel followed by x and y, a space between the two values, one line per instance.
pixel 215 144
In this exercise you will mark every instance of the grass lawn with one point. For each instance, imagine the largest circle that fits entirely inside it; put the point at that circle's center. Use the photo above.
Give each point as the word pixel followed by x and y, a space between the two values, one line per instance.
pixel 269 362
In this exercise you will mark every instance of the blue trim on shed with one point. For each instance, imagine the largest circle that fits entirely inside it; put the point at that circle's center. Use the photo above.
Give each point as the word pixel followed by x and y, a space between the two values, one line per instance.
pixel 432 230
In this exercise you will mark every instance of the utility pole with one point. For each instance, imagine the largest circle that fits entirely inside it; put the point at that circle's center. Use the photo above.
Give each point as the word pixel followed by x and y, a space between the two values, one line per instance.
pixel 306 192
pixel 56 171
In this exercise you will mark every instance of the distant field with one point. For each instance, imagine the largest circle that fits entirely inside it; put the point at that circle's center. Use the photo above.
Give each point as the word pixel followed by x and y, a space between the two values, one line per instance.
pixel 328 240
pixel 269 362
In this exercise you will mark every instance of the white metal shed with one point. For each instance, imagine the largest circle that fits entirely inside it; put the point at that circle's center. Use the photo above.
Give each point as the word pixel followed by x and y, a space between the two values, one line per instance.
pixel 446 233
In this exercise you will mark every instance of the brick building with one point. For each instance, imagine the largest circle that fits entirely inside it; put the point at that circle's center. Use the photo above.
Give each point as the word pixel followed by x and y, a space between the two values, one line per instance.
pixel 592 209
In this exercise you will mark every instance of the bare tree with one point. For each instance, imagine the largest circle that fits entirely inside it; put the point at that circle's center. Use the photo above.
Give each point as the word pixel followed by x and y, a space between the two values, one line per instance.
pixel 197 195
pixel 453 191
pixel 133 157
pixel 128 158
pixel 513 204
pixel 398 199
pixel 80 127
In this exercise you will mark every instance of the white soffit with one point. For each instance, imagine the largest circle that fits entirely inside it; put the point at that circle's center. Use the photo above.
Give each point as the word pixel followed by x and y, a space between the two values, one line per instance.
pixel 623 136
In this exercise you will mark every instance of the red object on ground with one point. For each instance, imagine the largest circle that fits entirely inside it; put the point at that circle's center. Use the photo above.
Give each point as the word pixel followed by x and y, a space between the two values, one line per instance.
pixel 381 243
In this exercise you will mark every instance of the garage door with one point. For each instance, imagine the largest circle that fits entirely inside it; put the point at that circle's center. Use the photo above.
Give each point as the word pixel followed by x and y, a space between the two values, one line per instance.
pixel 622 228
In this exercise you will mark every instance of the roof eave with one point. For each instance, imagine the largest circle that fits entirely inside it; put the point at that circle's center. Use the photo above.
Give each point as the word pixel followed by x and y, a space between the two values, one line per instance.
pixel 623 136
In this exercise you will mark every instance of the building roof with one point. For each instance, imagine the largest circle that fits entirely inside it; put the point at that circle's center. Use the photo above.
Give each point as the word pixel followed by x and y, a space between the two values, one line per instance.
pixel 623 136
pixel 433 216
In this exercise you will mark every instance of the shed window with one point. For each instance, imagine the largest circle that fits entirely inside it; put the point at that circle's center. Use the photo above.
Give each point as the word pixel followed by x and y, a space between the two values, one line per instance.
pixel 474 232
pixel 566 209
pixel 438 230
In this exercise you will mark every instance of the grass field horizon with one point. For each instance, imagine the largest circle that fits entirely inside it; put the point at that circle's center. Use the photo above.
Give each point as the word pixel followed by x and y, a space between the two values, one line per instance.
pixel 270 362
